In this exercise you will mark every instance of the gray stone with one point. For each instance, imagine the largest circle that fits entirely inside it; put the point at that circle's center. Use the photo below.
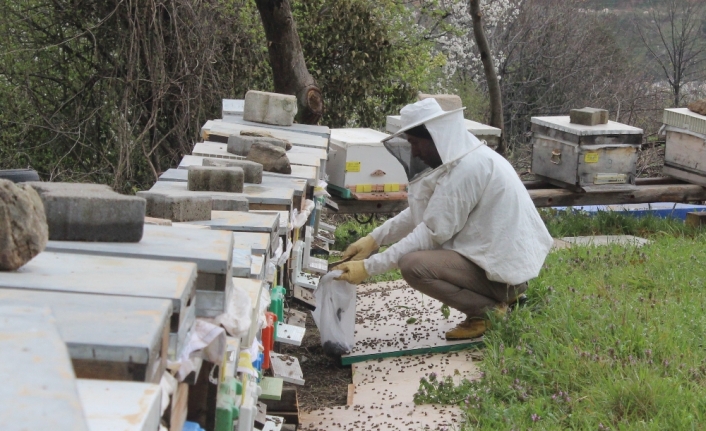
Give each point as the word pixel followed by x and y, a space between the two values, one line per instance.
pixel 588 116
pixel 270 108
pixel 240 145
pixel 235 203
pixel 91 212
pixel 216 179
pixel 252 170
pixel 448 102
pixel 177 207
pixel 272 159
pixel 23 225
pixel 265 134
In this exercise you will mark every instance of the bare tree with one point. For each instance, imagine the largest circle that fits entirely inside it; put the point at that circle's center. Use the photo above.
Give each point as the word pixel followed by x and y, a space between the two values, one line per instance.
pixel 289 70
pixel 674 40
pixel 496 103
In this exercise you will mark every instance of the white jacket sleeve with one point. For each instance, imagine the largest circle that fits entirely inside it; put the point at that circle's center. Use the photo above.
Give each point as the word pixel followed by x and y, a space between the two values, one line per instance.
pixel 394 229
pixel 446 214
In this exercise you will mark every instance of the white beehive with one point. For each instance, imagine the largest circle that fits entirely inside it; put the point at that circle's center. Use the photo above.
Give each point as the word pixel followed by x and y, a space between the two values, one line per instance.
pixel 489 134
pixel 358 161
pixel 685 152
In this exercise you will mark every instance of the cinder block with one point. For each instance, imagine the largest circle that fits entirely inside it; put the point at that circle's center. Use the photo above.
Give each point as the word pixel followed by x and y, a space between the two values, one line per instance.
pixel 231 203
pixel 588 116
pixel 252 170
pixel 240 145
pixel 177 207
pixel 270 108
pixel 91 212
pixel 448 102
pixel 215 179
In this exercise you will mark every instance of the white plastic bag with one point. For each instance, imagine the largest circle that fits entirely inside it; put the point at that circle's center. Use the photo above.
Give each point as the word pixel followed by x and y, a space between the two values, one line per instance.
pixel 335 314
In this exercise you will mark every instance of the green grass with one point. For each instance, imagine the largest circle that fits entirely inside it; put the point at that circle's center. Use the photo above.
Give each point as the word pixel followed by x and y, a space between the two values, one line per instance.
pixel 612 338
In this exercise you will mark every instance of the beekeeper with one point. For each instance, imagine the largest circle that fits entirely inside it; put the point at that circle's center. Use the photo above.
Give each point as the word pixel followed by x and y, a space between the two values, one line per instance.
pixel 471 236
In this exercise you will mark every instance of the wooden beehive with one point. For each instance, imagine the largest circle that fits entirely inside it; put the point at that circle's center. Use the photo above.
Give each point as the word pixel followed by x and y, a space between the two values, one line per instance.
pixel 685 152
pixel 585 158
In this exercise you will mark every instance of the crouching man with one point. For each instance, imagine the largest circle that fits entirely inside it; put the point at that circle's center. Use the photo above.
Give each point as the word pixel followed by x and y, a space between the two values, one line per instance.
pixel 471 236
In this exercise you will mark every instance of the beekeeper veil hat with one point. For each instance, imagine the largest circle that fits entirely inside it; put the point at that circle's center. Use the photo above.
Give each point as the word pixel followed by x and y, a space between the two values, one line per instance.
pixel 447 130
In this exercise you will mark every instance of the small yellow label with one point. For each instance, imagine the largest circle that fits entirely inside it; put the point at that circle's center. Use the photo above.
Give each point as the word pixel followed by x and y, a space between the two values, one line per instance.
pixel 392 188
pixel 352 166
pixel 591 158
pixel 364 188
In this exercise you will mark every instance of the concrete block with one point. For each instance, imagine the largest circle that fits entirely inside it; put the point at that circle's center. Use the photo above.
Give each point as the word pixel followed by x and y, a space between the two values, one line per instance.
pixel 234 203
pixel 240 144
pixel 265 134
pixel 272 159
pixel 270 108
pixel 23 225
pixel 90 212
pixel 588 116
pixel 177 207
pixel 448 102
pixel 252 170
pixel 216 179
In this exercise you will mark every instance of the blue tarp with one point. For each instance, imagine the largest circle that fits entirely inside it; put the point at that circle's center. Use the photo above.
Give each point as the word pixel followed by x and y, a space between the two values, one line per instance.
pixel 658 209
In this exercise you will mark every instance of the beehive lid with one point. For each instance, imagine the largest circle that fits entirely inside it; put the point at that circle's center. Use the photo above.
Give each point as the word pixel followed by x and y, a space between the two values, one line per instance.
pixel 684 118
pixel 394 123
pixel 357 136
pixel 564 124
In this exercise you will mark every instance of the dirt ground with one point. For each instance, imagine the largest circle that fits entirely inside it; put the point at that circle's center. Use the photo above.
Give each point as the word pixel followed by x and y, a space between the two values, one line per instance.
pixel 326 380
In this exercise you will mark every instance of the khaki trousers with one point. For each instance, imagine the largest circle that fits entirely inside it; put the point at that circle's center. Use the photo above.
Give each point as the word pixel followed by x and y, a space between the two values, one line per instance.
pixel 456 281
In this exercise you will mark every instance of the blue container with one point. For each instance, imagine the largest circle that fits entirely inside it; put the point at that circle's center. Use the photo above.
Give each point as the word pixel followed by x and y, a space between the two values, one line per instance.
pixel 192 426
pixel 658 209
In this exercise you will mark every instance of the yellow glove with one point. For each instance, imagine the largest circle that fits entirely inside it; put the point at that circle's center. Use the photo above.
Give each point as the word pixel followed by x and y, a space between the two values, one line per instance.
pixel 353 272
pixel 361 249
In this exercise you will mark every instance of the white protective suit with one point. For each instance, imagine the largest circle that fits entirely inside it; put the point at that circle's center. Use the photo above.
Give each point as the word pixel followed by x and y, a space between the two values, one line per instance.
pixel 473 204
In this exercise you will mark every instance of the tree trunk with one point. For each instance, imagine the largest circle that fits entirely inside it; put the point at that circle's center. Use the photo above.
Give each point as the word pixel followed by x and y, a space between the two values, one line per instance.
pixel 496 102
pixel 287 60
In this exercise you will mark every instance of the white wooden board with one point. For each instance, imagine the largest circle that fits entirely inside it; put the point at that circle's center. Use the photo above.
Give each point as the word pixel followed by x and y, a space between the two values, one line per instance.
pixel 290 334
pixel 383 327
pixel 120 406
pixel 295 317
pixel 258 242
pixel 287 368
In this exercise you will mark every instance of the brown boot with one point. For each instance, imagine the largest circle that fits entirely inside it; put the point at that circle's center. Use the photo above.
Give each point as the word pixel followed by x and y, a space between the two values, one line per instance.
pixel 469 328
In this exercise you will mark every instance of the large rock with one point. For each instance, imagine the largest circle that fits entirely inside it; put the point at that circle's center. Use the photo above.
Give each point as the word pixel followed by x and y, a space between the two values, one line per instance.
pixel 272 159
pixel 240 145
pixel 448 102
pixel 23 225
pixel 265 134
pixel 90 212
pixel 698 106
pixel 270 108
pixel 252 170
pixel 216 179
pixel 588 116
pixel 177 207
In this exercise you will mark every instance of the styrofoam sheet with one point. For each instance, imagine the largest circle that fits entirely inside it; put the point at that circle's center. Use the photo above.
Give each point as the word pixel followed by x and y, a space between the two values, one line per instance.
pixel 39 387
pixel 104 328
pixel 383 329
pixel 210 250
pixel 120 406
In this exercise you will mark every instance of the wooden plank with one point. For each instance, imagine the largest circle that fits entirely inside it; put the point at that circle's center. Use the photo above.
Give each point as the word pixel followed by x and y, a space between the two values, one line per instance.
pixel 696 219
pixel 643 194
pixel 304 296
pixel 178 407
pixel 108 337
pixel 352 206
pixel 391 196
pixel 120 406
pixel 39 387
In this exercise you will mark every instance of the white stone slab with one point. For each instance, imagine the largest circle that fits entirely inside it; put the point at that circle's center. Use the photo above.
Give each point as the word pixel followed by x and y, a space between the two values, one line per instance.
pixel 383 327
pixel 257 267
pixel 290 334
pixel 564 124
pixel 210 250
pixel 101 328
pixel 178 175
pixel 287 368
pixel 599 240
pixel 242 262
pixel 38 391
pixel 120 406
pixel 106 275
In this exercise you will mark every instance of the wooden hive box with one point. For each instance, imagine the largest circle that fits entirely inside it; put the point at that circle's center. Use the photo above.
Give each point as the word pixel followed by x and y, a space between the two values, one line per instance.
pixel 685 152
pixel 585 158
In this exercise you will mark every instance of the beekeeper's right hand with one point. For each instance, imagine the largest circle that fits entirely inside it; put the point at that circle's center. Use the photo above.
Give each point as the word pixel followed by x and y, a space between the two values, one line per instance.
pixel 361 249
